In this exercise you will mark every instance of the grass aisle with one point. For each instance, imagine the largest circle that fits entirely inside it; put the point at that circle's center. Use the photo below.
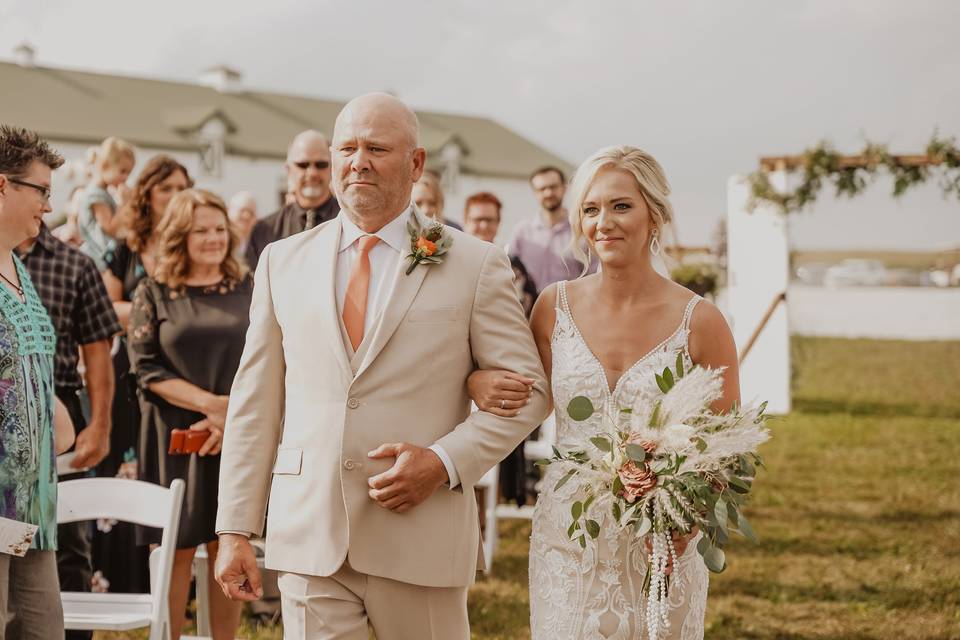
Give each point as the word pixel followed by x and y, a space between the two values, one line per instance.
pixel 858 512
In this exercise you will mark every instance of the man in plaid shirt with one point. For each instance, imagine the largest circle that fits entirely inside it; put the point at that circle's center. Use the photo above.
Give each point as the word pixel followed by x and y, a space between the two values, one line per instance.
pixel 74 295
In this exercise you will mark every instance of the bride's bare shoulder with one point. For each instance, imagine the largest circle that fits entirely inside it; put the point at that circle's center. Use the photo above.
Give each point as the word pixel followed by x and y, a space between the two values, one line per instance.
pixel 711 341
pixel 544 312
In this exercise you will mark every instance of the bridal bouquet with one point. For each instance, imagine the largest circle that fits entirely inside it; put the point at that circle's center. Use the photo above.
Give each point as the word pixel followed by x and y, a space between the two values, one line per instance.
pixel 663 467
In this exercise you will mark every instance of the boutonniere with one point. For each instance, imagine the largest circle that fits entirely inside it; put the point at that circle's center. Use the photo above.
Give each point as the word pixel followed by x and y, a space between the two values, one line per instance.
pixel 427 246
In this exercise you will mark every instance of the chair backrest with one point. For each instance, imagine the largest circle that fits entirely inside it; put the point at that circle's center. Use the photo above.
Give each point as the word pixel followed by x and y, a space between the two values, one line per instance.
pixel 131 501
pixel 548 430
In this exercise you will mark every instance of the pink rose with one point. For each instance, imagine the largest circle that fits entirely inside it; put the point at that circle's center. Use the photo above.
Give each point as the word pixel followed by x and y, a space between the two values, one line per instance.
pixel 637 479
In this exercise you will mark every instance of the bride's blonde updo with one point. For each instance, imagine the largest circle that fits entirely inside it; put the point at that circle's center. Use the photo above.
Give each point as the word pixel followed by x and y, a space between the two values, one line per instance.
pixel 646 171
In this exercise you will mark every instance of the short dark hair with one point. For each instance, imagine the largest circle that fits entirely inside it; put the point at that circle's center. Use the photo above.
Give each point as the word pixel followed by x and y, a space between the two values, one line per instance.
pixel 20 147
pixel 549 169
pixel 484 197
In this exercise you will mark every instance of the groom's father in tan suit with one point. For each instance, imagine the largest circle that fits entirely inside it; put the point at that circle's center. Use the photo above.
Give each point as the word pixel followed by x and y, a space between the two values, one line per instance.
pixel 350 411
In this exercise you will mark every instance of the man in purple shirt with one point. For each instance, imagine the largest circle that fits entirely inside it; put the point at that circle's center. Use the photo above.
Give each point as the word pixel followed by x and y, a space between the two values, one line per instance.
pixel 542 243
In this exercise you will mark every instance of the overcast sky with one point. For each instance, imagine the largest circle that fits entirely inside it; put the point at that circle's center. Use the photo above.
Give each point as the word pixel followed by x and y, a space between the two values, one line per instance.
pixel 707 87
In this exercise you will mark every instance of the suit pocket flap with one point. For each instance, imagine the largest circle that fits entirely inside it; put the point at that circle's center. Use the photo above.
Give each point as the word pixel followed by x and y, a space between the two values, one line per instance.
pixel 437 314
pixel 288 462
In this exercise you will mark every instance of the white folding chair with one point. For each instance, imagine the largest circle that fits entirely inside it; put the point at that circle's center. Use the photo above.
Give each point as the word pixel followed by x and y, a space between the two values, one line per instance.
pixel 542 447
pixel 201 574
pixel 127 501
pixel 489 483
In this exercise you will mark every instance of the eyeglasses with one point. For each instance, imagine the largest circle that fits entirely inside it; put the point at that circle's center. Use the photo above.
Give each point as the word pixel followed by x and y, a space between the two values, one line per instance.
pixel 44 191
pixel 319 164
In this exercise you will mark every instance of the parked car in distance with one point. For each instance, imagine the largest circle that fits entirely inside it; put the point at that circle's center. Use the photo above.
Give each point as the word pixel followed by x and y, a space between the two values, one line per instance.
pixel 855 272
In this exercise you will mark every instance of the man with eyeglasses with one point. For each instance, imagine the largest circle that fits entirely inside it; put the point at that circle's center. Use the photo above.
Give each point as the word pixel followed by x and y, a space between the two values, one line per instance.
pixel 308 178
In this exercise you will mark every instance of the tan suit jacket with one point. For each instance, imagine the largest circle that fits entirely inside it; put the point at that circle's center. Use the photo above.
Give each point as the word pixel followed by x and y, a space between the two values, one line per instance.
pixel 302 416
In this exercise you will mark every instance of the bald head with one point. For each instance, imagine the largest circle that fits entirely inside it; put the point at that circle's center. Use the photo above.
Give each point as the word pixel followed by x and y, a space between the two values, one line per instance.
pixel 384 107
pixel 305 142
pixel 376 159
pixel 243 200
pixel 308 169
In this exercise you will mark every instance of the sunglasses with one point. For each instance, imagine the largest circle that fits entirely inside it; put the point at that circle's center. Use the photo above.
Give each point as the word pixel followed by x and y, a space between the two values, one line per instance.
pixel 44 191
pixel 319 164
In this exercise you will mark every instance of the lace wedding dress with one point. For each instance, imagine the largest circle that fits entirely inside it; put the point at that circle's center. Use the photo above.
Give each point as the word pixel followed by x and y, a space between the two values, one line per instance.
pixel 596 593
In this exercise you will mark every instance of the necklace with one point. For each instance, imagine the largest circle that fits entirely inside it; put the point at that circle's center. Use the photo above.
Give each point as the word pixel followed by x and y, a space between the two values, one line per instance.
pixel 13 284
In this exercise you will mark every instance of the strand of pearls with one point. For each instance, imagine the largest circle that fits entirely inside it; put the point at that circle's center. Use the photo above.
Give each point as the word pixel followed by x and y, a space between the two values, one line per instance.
pixel 658 607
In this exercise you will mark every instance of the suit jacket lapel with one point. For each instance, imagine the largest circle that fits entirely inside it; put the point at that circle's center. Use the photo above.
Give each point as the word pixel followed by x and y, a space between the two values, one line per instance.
pixel 325 249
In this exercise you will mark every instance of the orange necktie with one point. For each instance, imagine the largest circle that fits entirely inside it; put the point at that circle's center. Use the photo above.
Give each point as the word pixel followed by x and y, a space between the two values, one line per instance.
pixel 355 302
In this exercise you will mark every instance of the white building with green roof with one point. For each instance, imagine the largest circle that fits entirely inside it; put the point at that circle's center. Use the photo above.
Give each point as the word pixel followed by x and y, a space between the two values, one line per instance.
pixel 232 138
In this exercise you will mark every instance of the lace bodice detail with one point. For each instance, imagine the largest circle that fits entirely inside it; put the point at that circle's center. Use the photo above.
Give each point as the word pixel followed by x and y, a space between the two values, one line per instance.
pixel 595 594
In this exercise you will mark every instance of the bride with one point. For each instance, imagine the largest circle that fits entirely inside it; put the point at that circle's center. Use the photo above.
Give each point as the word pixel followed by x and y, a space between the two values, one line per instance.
pixel 604 336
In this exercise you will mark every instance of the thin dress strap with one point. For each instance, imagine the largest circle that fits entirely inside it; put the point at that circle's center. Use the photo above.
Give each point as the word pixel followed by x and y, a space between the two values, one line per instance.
pixel 564 304
pixel 688 313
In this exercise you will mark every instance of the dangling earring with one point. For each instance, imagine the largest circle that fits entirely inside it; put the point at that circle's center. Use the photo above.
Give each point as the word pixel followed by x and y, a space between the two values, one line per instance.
pixel 655 243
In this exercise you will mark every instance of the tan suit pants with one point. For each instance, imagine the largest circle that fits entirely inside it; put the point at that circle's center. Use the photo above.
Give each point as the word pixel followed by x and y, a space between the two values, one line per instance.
pixel 338 608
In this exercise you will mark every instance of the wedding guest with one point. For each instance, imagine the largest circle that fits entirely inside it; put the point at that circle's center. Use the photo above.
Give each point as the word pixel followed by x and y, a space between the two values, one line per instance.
pixel 243 215
pixel 526 287
pixel 116 556
pixel 543 242
pixel 481 219
pixel 96 217
pixel 481 216
pixel 74 296
pixel 428 196
pixel 308 179
pixel 29 589
pixel 197 301
pixel 69 231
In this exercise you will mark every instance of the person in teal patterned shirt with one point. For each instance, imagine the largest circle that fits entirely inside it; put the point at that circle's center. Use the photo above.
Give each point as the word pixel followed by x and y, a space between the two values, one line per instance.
pixel 29 590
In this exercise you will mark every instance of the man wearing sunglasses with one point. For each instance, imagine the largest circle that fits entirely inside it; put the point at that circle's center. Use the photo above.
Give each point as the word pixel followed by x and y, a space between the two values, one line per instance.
pixel 308 178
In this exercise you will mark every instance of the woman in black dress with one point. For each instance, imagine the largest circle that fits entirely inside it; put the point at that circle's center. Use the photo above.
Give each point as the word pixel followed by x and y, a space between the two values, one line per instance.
pixel 120 565
pixel 187 329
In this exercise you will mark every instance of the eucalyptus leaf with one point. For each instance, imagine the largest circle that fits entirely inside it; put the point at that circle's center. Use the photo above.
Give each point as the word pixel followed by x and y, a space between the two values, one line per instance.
pixel 733 514
pixel 701 444
pixel 602 443
pixel 746 529
pixel 722 537
pixel 573 527
pixel 715 559
pixel 580 408
pixel 636 453
pixel 543 462
pixel 720 513
pixel 583 542
pixel 680 364
pixel 617 511
pixel 564 479
pixel 738 484
pixel 703 545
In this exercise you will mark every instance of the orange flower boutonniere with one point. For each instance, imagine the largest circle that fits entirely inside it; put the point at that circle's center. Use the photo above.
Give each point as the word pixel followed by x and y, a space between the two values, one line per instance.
pixel 427 246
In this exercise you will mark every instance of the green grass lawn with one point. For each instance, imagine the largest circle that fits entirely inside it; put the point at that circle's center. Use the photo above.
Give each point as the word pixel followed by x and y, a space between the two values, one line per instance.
pixel 858 512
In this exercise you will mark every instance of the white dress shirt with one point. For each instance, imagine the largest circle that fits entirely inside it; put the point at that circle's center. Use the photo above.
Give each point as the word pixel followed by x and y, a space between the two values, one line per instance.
pixel 385 258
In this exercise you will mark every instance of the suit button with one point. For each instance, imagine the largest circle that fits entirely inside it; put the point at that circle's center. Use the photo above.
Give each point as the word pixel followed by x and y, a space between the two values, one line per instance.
pixel 353 403
pixel 349 464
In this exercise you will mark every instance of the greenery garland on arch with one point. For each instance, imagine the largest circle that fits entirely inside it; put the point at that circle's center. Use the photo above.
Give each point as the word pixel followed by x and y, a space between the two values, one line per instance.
pixel 850 175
